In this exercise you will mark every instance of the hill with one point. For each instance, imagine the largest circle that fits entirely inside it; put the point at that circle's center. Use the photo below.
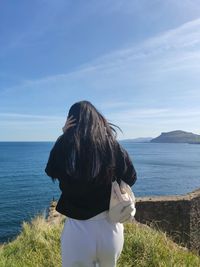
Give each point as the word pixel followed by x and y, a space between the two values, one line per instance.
pixel 177 137
pixel 138 140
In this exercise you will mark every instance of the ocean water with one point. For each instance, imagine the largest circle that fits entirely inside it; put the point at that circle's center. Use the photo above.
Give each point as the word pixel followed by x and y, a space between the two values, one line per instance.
pixel 162 169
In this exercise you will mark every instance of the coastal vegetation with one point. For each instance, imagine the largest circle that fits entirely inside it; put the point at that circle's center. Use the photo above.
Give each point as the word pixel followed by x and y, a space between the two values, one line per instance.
pixel 38 245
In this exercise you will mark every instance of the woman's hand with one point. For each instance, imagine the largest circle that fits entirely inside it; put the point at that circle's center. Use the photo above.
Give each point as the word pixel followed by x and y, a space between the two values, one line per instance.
pixel 70 122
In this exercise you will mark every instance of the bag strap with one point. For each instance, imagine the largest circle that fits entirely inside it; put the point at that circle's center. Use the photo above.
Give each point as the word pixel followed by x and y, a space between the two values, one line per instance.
pixel 114 178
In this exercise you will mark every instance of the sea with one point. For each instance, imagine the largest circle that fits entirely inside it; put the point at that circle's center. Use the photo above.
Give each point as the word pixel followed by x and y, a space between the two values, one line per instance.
pixel 26 191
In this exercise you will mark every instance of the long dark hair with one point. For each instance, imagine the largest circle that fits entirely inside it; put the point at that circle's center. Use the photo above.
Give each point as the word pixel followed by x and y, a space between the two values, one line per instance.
pixel 90 145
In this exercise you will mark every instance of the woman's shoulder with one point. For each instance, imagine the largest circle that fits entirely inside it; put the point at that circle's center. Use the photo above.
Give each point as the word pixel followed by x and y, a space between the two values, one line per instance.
pixel 120 150
pixel 57 147
pixel 59 141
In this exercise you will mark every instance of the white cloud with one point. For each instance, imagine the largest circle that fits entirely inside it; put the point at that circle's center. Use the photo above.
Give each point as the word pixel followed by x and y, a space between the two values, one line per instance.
pixel 28 116
pixel 168 50
pixel 128 80
pixel 133 122
pixel 129 115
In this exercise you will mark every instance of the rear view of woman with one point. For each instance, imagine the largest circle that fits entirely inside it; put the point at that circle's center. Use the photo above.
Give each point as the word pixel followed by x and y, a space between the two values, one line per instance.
pixel 85 159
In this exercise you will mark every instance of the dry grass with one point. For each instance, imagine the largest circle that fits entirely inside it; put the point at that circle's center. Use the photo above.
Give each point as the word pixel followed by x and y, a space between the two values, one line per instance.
pixel 38 245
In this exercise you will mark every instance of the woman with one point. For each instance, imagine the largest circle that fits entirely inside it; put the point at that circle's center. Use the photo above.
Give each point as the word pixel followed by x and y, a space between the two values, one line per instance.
pixel 85 159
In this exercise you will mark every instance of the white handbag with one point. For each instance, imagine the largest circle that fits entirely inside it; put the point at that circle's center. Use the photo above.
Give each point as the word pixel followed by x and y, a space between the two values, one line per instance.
pixel 122 203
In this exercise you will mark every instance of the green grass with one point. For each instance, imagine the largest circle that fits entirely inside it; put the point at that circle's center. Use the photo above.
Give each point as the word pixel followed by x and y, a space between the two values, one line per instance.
pixel 38 245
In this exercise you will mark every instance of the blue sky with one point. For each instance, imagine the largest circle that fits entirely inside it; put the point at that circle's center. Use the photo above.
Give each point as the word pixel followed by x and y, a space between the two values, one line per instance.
pixel 137 61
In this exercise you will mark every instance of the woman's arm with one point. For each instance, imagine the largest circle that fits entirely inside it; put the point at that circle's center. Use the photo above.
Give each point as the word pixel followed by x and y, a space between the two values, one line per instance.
pixel 54 165
pixel 125 168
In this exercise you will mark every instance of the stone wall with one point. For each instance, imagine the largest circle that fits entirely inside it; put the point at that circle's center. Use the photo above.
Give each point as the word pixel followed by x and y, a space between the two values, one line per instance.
pixel 195 220
pixel 52 215
pixel 179 216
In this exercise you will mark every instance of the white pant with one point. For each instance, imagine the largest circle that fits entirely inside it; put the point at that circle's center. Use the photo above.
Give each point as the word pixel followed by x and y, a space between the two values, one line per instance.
pixel 92 242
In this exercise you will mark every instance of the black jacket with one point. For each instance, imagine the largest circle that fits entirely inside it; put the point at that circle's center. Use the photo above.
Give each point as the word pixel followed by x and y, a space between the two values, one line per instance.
pixel 81 199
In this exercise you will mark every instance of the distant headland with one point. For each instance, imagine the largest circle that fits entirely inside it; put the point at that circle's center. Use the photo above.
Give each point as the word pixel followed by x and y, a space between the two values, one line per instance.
pixel 177 136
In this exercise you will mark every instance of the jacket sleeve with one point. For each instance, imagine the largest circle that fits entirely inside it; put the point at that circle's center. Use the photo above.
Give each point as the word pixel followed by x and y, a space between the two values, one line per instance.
pixel 126 170
pixel 54 166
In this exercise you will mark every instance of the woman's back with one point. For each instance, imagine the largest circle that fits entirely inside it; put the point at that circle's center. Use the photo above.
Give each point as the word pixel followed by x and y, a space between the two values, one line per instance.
pixel 84 198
